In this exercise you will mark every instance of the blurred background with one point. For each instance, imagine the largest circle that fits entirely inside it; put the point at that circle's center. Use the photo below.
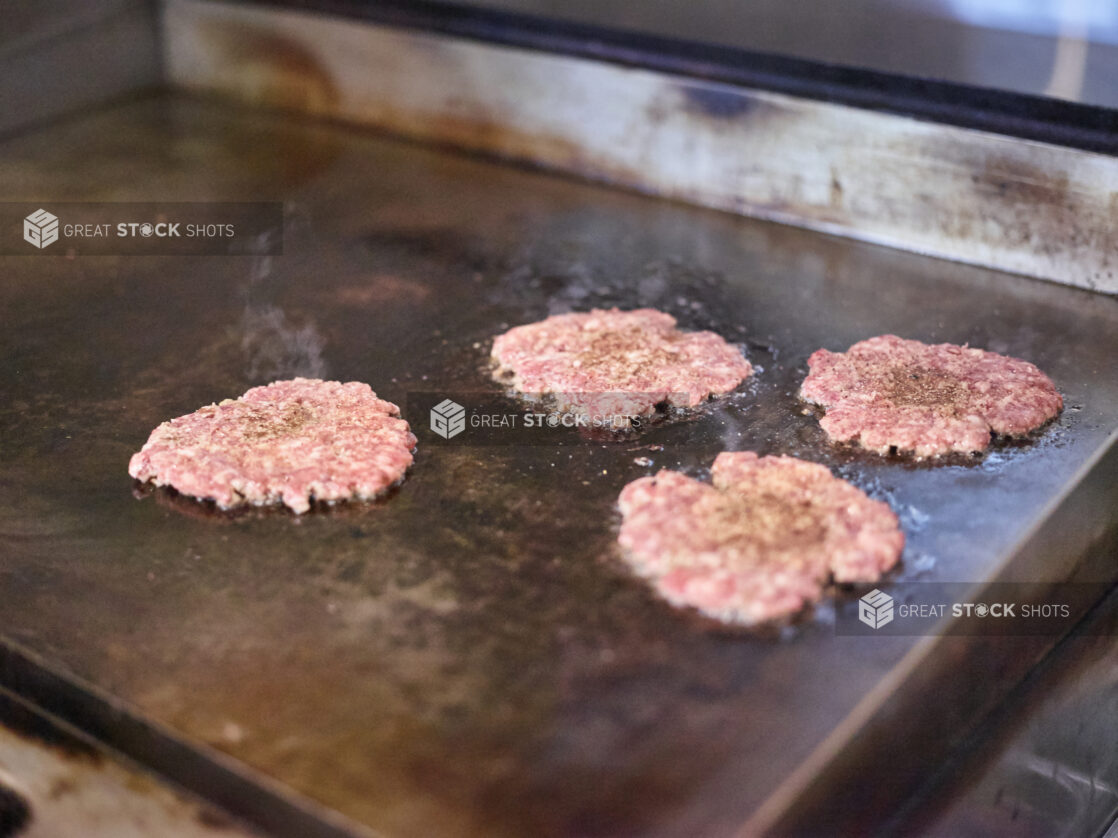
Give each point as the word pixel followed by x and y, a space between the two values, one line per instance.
pixel 1066 49
pixel 1061 48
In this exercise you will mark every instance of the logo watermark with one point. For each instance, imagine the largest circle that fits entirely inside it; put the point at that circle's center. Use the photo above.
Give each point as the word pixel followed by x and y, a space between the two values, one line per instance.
pixel 152 228
pixel 481 418
pixel 448 419
pixel 1002 608
pixel 875 609
pixel 40 228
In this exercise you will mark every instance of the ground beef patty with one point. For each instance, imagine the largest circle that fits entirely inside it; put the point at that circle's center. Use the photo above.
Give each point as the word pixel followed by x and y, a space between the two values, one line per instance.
pixel 289 442
pixel 617 362
pixel 888 393
pixel 761 543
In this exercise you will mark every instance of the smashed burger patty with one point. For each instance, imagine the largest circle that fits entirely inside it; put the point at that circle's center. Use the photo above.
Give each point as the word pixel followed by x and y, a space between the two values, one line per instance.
pixel 290 442
pixel 761 542
pixel 618 361
pixel 888 393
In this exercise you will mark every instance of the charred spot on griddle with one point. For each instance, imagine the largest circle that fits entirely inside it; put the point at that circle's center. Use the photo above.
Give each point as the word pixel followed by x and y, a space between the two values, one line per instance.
pixel 767 347
pixel 15 812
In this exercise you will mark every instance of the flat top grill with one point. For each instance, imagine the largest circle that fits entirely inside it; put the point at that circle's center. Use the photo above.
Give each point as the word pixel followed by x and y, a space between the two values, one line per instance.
pixel 469 657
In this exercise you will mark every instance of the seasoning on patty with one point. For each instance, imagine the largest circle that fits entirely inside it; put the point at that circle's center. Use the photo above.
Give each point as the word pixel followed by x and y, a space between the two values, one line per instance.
pixel 887 394
pixel 760 543
pixel 613 362
pixel 290 442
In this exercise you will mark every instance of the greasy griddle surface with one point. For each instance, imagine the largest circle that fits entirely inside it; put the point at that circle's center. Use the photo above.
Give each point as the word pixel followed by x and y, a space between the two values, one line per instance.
pixel 469 657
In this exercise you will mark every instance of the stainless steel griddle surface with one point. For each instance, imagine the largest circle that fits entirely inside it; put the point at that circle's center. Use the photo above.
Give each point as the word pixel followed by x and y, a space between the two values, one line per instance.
pixel 470 656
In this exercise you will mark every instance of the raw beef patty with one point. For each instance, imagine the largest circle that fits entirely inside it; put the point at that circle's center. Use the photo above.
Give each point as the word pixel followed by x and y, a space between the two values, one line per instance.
pixel 888 393
pixel 761 542
pixel 617 361
pixel 290 442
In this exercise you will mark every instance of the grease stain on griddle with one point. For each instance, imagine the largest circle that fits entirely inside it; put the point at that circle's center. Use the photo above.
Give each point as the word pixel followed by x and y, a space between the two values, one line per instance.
pixel 282 73
pixel 279 71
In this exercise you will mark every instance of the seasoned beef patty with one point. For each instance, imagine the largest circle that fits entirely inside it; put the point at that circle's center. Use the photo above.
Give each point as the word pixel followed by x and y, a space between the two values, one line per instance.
pixel 617 362
pixel 888 393
pixel 289 442
pixel 761 542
